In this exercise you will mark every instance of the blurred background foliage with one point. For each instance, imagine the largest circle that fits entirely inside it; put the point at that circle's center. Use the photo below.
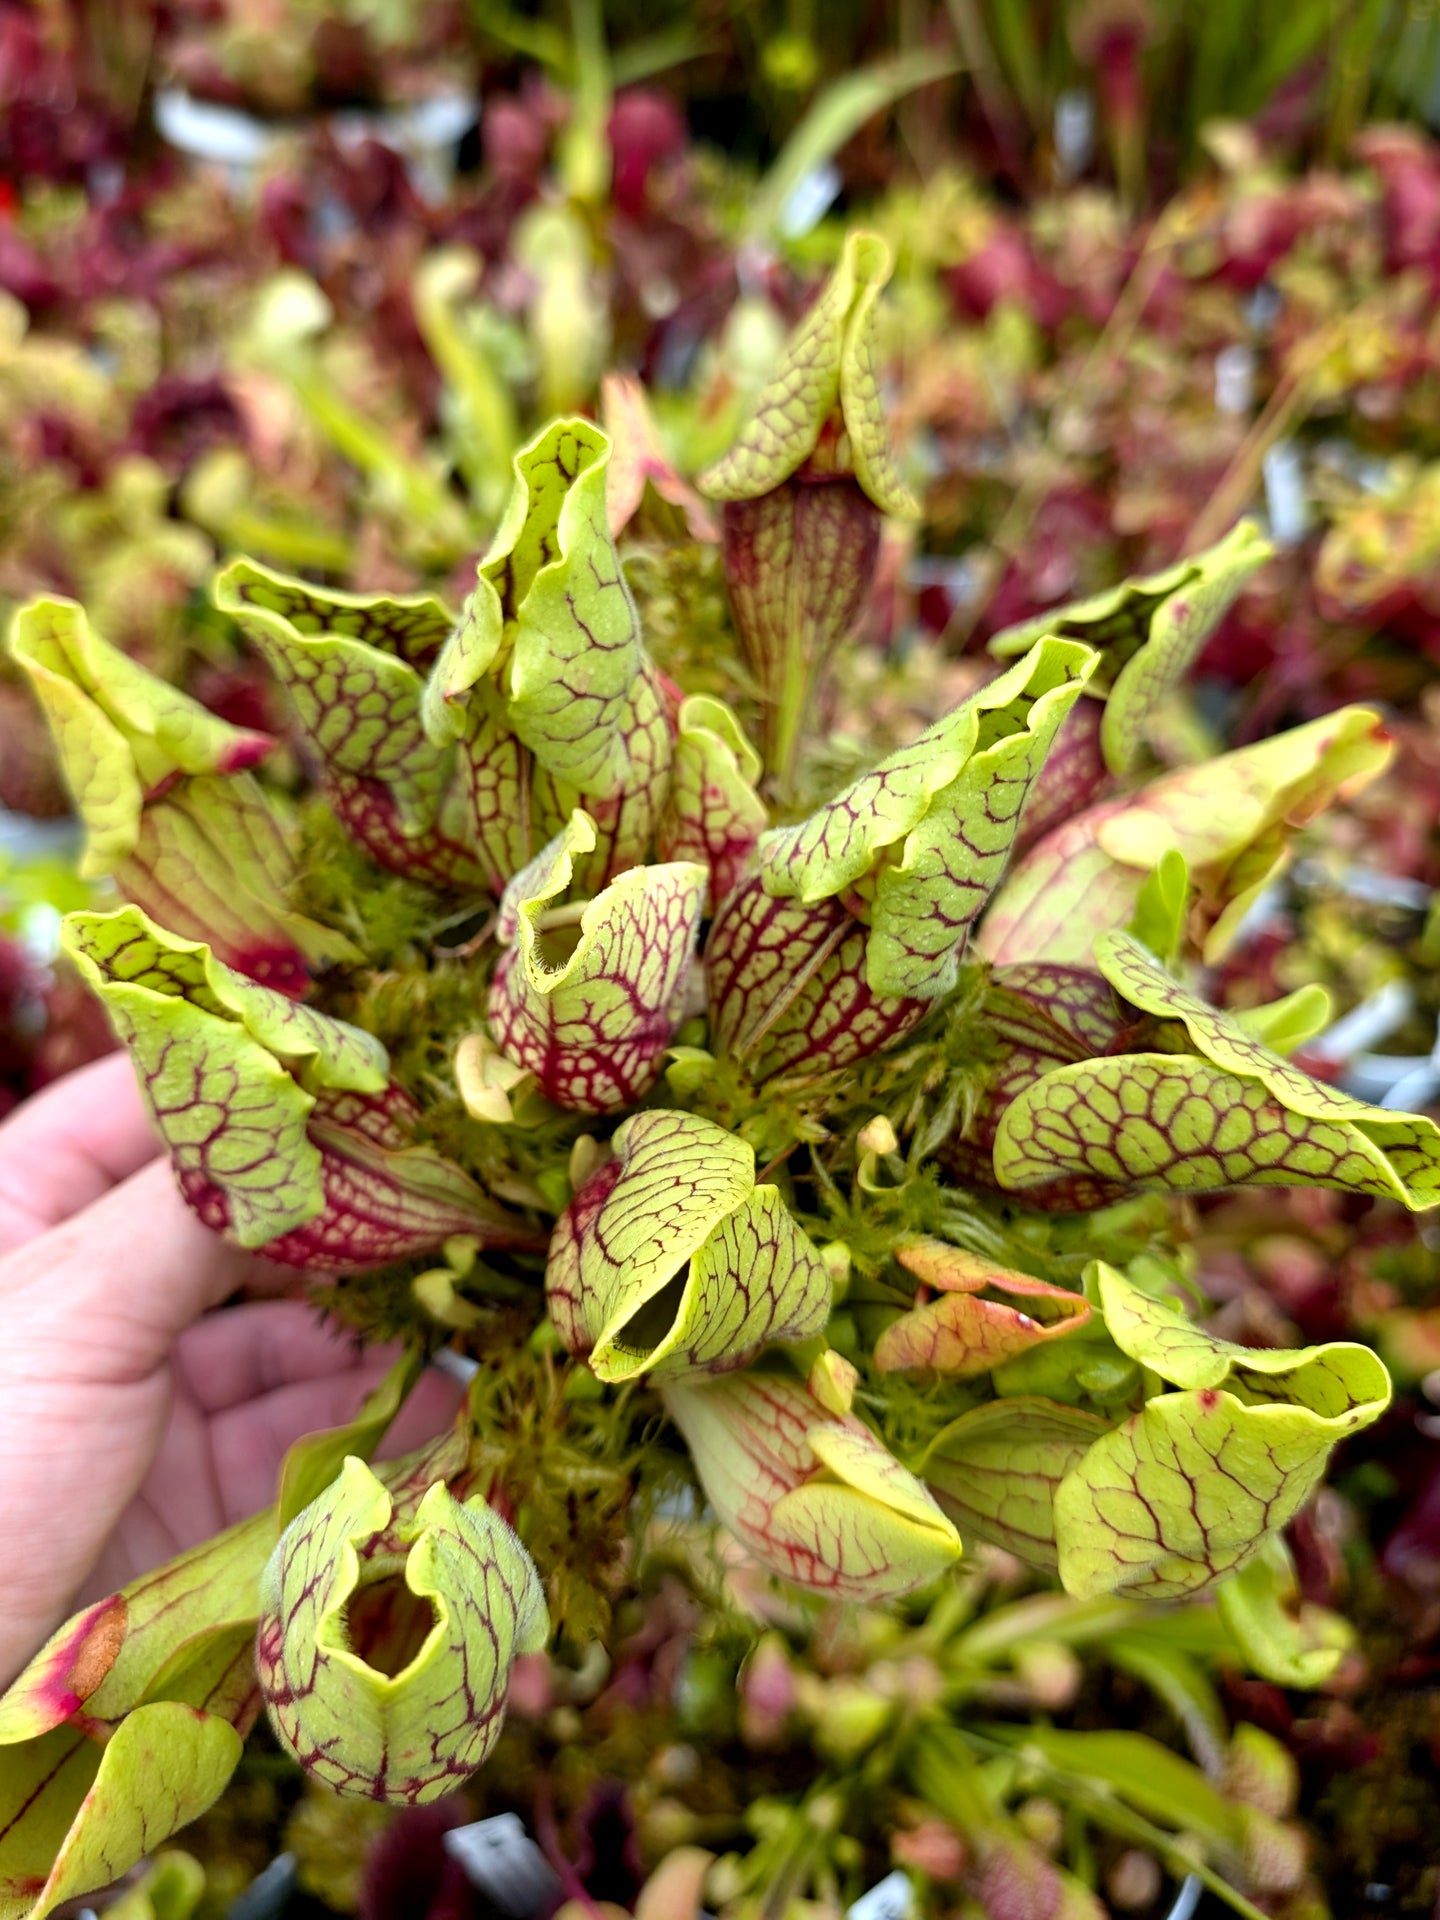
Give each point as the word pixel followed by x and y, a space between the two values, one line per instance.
pixel 1157 71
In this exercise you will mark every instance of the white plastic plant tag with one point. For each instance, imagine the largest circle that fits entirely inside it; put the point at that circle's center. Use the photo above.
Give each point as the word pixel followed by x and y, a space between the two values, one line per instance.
pixel 460 1368
pixel 1074 135
pixel 1374 1019
pixel 1285 501
pixel 1187 1899
pixel 1370 884
pixel 892 1899
pixel 1417 1089
pixel 1264 308
pixel 809 200
pixel 1374 1077
pixel 1235 378
pixel 501 1861
pixel 1419 1085
pixel 269 1892
pixel 221 136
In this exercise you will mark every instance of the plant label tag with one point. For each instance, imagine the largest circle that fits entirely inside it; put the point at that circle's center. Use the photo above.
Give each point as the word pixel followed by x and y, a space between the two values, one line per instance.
pixel 1284 474
pixel 1234 379
pixel 269 1892
pixel 892 1899
pixel 1074 137
pixel 809 200
pixel 503 1863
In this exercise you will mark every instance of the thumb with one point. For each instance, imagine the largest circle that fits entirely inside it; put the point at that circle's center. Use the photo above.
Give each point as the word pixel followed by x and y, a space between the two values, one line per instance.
pixel 64 1147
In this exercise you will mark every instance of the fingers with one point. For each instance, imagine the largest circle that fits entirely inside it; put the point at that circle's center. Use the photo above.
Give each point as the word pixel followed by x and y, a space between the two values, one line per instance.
pixel 248 1442
pixel 238 1355
pixel 268 1372
pixel 70 1464
pixel 210 1469
pixel 69 1145
pixel 107 1293
pixel 433 1403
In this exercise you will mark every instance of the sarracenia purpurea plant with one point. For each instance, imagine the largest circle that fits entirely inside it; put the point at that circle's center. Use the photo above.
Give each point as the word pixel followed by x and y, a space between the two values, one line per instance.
pixel 805 1148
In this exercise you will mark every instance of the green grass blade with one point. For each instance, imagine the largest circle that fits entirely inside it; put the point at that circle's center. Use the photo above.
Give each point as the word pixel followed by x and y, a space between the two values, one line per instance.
pixel 832 118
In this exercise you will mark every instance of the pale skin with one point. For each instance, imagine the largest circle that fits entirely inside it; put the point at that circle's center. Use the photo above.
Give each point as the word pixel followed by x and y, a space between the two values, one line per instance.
pixel 139 1413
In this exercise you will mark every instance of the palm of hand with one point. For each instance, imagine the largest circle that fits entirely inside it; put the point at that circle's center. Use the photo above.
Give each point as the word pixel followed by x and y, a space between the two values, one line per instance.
pixel 242 1385
pixel 135 1421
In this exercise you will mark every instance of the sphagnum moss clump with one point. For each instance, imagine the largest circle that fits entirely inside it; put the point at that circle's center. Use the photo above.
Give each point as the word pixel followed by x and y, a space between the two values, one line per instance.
pixel 811 1148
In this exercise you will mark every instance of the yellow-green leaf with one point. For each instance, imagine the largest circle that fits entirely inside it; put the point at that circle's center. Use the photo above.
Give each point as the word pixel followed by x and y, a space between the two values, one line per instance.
pixel 1149 631
pixel 119 730
pixel 1186 1491
pixel 995 1469
pixel 1156 1121
pixel 925 836
pixel 551 615
pixel 1232 1114
pixel 812 1495
pixel 827 368
pixel 671 1260
pixel 171 1889
pixel 1231 818
pixel 593 1025
pixel 284 1127
pixel 713 812
pixel 1157 1334
pixel 169 809
pixel 1280 1636
pixel 353 666
pixel 1159 919
pixel 412 1734
pixel 166 1755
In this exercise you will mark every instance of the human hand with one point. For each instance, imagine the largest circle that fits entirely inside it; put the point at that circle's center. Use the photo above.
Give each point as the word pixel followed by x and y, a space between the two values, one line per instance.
pixel 134 1420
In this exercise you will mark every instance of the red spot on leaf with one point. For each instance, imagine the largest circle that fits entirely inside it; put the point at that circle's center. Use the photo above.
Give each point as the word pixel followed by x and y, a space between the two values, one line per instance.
pixel 245 752
pixel 83 1658
pixel 279 966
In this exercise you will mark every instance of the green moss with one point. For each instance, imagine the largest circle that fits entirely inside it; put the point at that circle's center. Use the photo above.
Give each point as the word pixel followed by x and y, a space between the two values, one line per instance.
pixel 568 1467
pixel 420 1012
pixel 390 919
pixel 1376 1820
pixel 378 1306
pixel 685 617
pixel 234 1839
pixel 331 1839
